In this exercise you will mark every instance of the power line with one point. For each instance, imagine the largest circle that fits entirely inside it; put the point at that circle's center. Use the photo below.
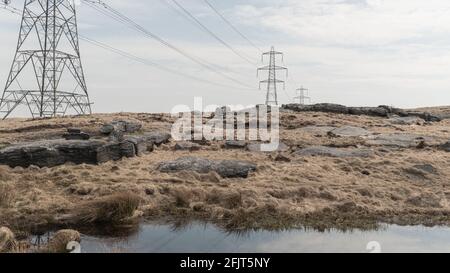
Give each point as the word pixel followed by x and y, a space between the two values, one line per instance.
pixel 117 16
pixel 211 33
pixel 10 8
pixel 231 25
pixel 139 59
pixel 148 62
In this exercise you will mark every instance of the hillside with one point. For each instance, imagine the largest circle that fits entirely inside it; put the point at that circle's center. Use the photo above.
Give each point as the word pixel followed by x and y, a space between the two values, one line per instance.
pixel 334 171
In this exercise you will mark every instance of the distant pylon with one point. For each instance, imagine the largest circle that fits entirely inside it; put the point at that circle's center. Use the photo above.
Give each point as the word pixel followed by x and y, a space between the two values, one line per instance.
pixel 302 97
pixel 46 74
pixel 272 81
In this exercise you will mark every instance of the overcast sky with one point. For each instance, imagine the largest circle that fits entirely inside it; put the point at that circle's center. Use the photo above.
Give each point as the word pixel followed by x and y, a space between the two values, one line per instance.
pixel 353 52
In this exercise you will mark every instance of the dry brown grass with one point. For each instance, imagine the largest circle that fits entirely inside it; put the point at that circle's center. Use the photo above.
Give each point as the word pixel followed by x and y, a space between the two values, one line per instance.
pixel 6 195
pixel 60 241
pixel 107 210
pixel 8 242
pixel 312 191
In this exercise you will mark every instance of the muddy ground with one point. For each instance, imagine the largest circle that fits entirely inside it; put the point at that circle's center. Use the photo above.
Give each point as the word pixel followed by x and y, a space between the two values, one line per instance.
pixel 401 185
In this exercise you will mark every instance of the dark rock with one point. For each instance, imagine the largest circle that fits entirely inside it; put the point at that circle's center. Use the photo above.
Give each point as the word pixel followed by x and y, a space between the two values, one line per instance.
pixel 380 111
pixel 58 152
pixel 369 111
pixel 73 131
pixel 51 153
pixel 140 144
pixel 115 151
pixel 187 146
pixel 233 168
pixel 121 126
pixel 333 152
pixel 116 136
pixel 235 144
pixel 107 129
pixel 225 168
pixel 157 137
pixel 132 127
pixel 76 136
pixel 446 147
pixel 127 149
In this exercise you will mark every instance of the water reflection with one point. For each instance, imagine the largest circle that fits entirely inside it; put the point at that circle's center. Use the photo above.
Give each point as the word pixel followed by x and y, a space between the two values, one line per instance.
pixel 197 237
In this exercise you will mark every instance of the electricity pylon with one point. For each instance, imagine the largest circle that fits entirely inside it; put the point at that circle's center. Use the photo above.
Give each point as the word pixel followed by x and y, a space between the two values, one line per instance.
pixel 302 96
pixel 46 74
pixel 272 81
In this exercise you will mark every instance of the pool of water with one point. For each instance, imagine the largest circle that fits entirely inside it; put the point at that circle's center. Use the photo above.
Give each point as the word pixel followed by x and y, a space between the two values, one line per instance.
pixel 207 238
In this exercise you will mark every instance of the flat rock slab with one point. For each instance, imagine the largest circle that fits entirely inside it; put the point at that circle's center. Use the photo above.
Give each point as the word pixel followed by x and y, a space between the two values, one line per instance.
pixel 235 144
pixel 349 131
pixel 401 140
pixel 426 168
pixel 225 168
pixel 268 147
pixel 406 120
pixel 333 152
pixel 157 137
pixel 187 146
pixel 323 130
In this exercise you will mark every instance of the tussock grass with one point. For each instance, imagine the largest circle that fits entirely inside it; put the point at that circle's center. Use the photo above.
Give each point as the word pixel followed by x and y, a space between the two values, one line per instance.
pixel 59 242
pixel 8 242
pixel 110 209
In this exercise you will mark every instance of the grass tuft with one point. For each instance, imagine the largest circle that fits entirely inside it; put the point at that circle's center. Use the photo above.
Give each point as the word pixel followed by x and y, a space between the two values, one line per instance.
pixel 111 209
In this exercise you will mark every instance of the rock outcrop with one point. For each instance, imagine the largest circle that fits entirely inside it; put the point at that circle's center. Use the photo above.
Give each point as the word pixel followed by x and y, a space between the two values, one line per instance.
pixel 349 131
pixel 402 140
pixel 406 120
pixel 269 147
pixel 187 146
pixel 225 168
pixel 78 149
pixel 446 147
pixel 235 144
pixel 380 111
pixel 157 137
pixel 333 152
pixel 76 134
pixel 121 126
pixel 58 152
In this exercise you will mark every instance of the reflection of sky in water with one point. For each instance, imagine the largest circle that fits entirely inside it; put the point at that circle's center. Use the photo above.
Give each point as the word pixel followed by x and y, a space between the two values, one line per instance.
pixel 206 238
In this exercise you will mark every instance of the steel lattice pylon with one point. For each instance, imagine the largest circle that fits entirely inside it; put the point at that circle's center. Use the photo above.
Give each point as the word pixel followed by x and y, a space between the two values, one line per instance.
pixel 302 96
pixel 272 81
pixel 53 56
